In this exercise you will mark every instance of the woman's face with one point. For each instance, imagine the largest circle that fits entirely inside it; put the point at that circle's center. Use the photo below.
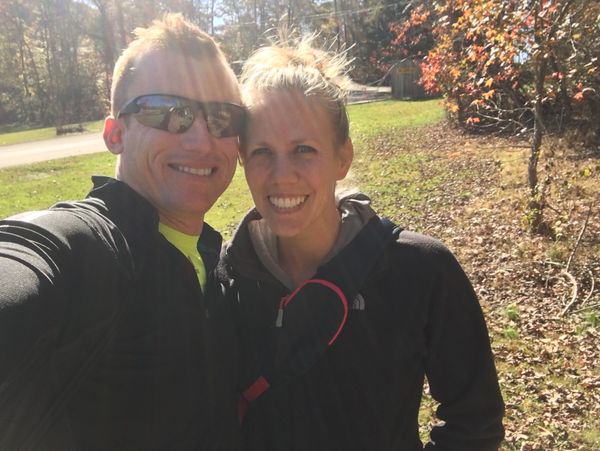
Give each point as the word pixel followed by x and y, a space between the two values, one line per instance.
pixel 292 164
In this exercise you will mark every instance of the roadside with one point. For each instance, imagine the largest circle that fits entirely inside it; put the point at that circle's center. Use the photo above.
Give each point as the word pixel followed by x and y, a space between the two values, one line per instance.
pixel 50 149
pixel 10 135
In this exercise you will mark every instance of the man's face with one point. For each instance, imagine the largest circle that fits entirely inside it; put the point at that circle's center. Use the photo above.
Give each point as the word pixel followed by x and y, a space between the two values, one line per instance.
pixel 182 175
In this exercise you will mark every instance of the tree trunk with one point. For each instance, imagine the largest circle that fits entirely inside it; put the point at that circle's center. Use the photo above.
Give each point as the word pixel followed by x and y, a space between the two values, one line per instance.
pixel 108 45
pixel 121 25
pixel 536 203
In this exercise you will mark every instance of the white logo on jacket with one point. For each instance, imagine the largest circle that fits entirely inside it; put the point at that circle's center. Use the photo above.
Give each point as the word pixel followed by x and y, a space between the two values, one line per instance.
pixel 358 303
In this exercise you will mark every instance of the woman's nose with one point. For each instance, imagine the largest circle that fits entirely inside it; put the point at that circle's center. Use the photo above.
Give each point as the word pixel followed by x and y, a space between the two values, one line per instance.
pixel 284 170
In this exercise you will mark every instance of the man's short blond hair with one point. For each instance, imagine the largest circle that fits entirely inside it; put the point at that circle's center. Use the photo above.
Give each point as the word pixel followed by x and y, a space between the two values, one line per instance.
pixel 172 33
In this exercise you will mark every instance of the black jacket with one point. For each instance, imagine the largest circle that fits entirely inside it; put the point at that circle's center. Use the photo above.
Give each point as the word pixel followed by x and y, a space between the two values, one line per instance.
pixel 104 338
pixel 416 316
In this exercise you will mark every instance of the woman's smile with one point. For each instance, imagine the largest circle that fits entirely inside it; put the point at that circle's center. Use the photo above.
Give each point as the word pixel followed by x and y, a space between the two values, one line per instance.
pixel 287 202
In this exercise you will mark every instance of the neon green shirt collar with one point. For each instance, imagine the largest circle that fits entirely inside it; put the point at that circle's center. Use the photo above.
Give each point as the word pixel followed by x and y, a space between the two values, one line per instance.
pixel 188 246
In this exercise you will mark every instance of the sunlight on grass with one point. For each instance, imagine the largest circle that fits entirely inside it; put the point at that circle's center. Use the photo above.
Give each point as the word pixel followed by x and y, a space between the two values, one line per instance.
pixel 39 185
pixel 371 119
pixel 231 206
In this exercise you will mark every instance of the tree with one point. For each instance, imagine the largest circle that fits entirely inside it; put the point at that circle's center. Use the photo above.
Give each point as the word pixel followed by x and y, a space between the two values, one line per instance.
pixel 412 34
pixel 515 67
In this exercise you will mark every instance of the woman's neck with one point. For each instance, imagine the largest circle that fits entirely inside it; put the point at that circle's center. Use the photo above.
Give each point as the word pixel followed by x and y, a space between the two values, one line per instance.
pixel 300 256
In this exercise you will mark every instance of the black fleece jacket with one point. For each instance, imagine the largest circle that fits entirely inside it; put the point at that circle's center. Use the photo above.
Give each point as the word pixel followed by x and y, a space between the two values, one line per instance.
pixel 104 337
pixel 417 315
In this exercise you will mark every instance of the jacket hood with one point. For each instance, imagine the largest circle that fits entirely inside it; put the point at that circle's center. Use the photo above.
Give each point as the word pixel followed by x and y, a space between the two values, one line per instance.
pixel 241 253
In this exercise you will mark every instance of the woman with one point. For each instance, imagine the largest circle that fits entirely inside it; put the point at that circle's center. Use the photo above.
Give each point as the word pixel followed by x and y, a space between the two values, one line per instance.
pixel 342 367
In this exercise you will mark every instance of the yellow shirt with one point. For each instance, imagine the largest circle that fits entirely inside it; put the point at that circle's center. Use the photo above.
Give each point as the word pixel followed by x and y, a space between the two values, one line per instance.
pixel 187 245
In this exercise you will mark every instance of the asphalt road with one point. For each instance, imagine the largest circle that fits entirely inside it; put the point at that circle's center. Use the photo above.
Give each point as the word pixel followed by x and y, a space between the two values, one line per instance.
pixel 65 146
pixel 50 149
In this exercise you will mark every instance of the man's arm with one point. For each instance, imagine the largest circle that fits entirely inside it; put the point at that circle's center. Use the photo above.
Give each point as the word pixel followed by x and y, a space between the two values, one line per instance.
pixel 30 277
pixel 460 367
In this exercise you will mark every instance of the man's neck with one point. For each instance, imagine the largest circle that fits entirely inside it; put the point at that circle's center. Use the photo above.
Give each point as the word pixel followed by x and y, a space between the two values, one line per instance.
pixel 189 226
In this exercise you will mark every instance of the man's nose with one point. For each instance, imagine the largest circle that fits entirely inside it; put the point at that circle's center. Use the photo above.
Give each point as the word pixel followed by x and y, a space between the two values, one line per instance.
pixel 197 137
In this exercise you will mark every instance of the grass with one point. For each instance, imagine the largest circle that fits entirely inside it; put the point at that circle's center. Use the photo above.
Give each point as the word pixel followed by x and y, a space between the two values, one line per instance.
pixel 22 136
pixel 379 128
pixel 373 119
pixel 39 185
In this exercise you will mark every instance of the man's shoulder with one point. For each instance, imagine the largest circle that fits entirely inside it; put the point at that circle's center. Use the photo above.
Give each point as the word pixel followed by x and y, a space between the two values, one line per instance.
pixel 61 217
pixel 72 226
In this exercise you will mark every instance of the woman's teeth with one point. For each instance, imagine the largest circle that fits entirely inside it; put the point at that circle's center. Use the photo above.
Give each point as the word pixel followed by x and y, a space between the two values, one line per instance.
pixel 287 202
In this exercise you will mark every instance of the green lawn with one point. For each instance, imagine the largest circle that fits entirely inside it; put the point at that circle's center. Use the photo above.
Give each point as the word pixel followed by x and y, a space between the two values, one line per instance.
pixel 384 174
pixel 368 120
pixel 39 185
pixel 37 134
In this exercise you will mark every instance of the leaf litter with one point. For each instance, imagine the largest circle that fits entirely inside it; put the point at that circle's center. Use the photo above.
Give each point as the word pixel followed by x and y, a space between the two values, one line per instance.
pixel 548 364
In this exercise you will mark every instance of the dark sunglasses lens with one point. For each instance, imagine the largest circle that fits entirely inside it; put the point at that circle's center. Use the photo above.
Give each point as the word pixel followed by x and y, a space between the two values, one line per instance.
pixel 177 114
pixel 180 119
pixel 223 119
pixel 155 111
pixel 153 118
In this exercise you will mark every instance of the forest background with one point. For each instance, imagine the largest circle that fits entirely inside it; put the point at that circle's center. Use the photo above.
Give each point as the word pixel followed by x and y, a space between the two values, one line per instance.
pixel 491 59
pixel 525 69
pixel 520 85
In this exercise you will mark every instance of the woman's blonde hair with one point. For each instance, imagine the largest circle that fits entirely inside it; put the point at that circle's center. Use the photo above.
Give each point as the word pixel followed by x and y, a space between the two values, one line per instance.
pixel 298 65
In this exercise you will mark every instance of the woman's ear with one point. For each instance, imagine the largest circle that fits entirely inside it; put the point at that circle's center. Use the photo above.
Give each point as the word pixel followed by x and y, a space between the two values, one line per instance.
pixel 113 135
pixel 345 155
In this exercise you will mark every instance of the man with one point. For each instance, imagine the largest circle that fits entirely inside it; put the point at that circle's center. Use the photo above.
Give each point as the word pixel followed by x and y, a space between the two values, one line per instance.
pixel 107 341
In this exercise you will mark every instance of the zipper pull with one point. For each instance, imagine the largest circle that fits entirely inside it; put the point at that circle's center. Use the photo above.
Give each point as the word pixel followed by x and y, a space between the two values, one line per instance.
pixel 282 303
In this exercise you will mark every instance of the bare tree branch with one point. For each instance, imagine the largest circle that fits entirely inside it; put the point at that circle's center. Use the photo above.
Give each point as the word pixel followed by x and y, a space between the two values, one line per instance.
pixel 573 281
pixel 572 256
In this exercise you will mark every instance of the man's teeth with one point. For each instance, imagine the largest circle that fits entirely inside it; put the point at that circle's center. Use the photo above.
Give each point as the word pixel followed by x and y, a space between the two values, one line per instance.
pixel 194 171
pixel 287 202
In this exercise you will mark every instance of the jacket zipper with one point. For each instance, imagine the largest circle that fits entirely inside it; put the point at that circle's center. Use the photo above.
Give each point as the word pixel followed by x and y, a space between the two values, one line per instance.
pixel 282 303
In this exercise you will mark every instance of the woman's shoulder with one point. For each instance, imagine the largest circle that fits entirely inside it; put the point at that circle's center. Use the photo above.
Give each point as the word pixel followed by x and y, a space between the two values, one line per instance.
pixel 413 248
pixel 418 241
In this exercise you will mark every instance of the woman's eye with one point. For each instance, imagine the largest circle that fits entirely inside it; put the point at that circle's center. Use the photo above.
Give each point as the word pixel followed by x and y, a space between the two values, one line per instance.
pixel 303 149
pixel 259 151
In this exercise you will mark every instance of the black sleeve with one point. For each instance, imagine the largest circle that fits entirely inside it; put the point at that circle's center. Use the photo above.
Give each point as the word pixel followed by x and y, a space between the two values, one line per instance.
pixel 30 277
pixel 459 364
pixel 48 260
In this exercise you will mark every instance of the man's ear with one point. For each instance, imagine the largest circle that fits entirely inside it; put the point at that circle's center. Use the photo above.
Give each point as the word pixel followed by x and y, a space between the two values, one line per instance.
pixel 345 155
pixel 113 135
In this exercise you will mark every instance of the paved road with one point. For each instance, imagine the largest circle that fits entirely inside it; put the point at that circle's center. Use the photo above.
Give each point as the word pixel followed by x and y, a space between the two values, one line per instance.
pixel 50 149
pixel 66 146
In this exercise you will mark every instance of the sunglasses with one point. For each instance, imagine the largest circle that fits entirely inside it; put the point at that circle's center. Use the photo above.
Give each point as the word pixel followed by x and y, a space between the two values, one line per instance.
pixel 176 114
